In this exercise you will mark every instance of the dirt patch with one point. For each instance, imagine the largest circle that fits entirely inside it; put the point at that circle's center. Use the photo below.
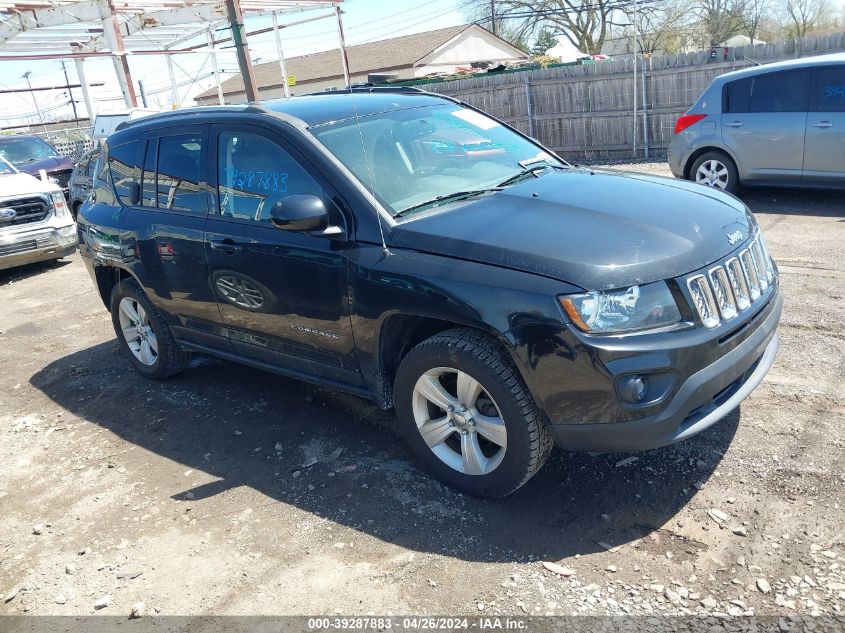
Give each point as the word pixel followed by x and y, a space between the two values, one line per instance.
pixel 234 491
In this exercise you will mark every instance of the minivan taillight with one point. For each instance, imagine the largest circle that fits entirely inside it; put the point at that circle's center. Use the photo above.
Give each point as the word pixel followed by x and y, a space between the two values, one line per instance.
pixel 686 120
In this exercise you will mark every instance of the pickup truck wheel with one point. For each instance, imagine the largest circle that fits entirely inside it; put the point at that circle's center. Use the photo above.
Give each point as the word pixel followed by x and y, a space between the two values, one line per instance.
pixel 143 334
pixel 717 170
pixel 467 415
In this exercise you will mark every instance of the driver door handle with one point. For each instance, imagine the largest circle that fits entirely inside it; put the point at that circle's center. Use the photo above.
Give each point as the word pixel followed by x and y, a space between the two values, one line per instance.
pixel 823 124
pixel 226 245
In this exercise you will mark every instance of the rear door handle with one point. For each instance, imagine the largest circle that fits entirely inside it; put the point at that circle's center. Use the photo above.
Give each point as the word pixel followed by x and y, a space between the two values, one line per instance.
pixel 823 124
pixel 226 245
pixel 735 124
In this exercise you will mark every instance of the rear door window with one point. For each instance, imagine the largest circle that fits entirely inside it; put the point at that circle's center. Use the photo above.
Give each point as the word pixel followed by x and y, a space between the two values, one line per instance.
pixel 829 89
pixel 781 92
pixel 123 165
pixel 180 184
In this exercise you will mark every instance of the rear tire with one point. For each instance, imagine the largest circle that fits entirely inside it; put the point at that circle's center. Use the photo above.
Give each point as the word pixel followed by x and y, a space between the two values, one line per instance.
pixel 493 439
pixel 717 170
pixel 143 334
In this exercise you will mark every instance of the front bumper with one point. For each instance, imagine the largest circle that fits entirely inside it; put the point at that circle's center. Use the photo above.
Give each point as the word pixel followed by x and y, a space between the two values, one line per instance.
pixel 703 399
pixel 30 246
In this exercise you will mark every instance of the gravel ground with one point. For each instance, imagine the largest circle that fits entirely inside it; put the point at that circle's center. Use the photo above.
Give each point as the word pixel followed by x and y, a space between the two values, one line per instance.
pixel 231 491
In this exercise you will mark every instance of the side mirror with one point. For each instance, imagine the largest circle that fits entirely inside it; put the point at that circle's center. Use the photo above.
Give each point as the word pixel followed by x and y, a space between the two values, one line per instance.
pixel 134 193
pixel 305 212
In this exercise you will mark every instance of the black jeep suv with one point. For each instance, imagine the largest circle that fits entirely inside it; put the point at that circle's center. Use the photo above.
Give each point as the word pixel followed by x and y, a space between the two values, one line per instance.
pixel 412 250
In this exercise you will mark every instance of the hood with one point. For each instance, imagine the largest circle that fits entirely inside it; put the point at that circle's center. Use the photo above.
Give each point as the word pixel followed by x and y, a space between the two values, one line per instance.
pixel 24 185
pixel 57 163
pixel 598 230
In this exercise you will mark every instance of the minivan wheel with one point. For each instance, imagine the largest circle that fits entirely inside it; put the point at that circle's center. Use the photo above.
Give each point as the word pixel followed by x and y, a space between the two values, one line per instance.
pixel 717 170
pixel 143 334
pixel 467 414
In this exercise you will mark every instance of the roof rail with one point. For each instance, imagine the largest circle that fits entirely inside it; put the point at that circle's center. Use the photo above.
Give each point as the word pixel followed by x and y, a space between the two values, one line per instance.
pixel 371 89
pixel 159 116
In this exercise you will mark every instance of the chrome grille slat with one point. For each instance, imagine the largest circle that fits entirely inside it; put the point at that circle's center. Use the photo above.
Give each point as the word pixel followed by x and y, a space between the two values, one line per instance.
pixel 722 292
pixel 750 274
pixel 739 285
pixel 733 286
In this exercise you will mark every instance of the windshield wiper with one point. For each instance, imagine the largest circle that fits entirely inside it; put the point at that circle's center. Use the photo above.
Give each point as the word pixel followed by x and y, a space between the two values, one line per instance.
pixel 449 197
pixel 529 168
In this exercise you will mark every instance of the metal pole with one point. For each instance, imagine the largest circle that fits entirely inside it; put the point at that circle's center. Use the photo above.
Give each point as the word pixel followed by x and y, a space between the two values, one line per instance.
pixel 344 58
pixel 143 94
pixel 32 94
pixel 529 108
pixel 236 20
pixel 634 119
pixel 69 91
pixel 86 89
pixel 114 38
pixel 174 91
pixel 281 54
pixel 220 99
pixel 645 112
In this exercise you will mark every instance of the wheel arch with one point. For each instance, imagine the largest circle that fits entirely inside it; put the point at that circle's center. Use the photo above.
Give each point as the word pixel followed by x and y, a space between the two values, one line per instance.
pixel 694 156
pixel 399 333
pixel 107 278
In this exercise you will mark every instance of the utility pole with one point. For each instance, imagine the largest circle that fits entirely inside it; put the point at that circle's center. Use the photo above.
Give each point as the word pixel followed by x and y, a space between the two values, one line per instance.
pixel 69 91
pixel 344 58
pixel 493 16
pixel 143 94
pixel 236 20
pixel 32 94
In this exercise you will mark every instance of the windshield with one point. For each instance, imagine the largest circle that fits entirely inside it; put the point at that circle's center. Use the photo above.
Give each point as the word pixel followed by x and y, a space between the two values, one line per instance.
pixel 19 151
pixel 421 155
pixel 5 167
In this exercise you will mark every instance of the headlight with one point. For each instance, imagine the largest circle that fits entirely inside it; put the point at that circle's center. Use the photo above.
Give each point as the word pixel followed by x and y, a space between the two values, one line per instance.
pixel 60 205
pixel 624 310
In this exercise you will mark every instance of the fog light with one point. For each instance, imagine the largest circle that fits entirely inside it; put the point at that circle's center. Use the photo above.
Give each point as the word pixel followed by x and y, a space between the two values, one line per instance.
pixel 633 389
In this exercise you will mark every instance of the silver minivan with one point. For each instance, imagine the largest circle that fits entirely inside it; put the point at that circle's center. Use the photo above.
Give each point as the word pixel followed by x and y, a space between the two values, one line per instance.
pixel 778 124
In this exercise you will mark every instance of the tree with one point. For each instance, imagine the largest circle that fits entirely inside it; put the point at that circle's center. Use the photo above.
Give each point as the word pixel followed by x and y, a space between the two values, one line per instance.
pixel 545 40
pixel 720 19
pixel 752 18
pixel 585 23
pixel 805 15
pixel 663 27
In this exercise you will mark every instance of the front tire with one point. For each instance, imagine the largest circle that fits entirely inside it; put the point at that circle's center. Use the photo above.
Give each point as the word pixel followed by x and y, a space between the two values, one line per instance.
pixel 716 170
pixel 467 415
pixel 143 335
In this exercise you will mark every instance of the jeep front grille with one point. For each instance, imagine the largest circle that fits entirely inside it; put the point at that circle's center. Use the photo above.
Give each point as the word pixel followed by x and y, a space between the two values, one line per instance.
pixel 27 211
pixel 732 287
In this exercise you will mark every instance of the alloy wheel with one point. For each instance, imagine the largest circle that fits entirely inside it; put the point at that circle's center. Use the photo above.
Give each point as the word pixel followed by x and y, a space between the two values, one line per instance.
pixel 138 331
pixel 459 421
pixel 712 173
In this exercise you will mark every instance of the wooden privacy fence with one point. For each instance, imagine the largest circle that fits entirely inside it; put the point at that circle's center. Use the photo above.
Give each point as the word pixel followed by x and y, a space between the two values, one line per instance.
pixel 587 112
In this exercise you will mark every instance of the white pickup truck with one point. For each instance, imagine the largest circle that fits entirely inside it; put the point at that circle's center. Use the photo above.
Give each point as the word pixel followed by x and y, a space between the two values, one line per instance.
pixel 35 222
